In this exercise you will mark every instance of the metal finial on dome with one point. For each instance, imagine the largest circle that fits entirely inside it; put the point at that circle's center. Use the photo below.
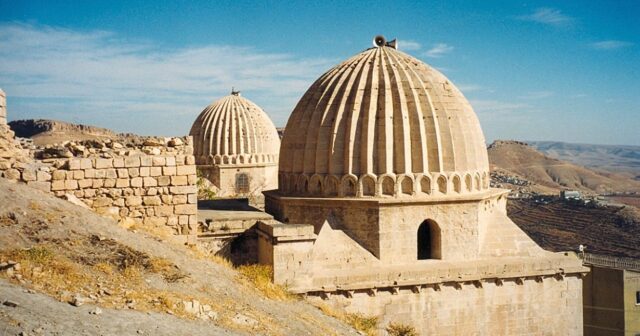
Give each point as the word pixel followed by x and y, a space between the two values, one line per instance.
pixel 234 92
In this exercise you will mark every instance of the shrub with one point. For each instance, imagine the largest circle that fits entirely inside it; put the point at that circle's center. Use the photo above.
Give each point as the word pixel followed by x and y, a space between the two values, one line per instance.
pixel 399 329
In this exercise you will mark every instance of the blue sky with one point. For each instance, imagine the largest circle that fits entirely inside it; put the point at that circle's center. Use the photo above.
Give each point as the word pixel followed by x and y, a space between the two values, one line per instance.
pixel 566 71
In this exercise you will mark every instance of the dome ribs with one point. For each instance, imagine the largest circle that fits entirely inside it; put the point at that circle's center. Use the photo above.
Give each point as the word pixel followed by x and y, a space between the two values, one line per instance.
pixel 419 138
pixel 412 132
pixel 351 106
pixel 378 117
pixel 233 130
pixel 326 133
pixel 368 119
pixel 384 122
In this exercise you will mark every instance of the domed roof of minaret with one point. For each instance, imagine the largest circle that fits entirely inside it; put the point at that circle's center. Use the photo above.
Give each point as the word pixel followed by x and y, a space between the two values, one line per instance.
pixel 234 130
pixel 385 117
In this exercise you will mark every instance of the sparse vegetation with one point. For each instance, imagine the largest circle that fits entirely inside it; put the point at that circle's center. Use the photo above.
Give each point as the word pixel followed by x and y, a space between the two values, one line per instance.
pixel 399 329
pixel 205 192
pixel 260 277
pixel 366 324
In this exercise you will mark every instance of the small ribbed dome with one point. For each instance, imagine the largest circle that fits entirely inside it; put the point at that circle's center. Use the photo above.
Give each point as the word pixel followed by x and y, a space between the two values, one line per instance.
pixel 234 130
pixel 383 123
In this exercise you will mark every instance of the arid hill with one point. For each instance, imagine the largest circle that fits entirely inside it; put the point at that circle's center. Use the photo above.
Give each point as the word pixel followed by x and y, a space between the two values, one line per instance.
pixel 45 132
pixel 616 158
pixel 64 270
pixel 525 161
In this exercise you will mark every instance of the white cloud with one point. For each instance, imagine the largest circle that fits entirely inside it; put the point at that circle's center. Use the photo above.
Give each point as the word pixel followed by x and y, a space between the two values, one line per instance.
pixel 536 95
pixel 439 50
pixel 610 44
pixel 97 77
pixel 409 45
pixel 549 16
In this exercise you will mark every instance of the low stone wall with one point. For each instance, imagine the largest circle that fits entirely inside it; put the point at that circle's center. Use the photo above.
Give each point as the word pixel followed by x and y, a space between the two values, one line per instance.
pixel 148 181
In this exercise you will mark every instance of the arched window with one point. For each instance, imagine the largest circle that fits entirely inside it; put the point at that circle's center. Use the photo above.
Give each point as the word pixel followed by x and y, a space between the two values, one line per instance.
pixel 242 183
pixel 428 240
pixel 406 186
pixel 387 186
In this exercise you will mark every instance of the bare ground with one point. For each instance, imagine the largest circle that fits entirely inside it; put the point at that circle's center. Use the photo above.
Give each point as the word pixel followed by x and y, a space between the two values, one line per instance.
pixel 142 283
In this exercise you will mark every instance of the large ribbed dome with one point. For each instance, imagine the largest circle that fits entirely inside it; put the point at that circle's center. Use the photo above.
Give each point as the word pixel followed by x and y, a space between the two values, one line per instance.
pixel 383 123
pixel 234 130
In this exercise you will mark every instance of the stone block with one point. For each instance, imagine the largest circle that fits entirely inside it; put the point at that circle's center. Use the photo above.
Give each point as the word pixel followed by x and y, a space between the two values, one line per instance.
pixel 179 160
pixel 104 163
pixel 190 160
pixel 158 161
pixel 73 164
pixel 59 175
pixel 132 161
pixel 118 202
pixel 109 183
pixel 192 199
pixel 164 210
pixel 118 162
pixel 193 220
pixel 183 190
pixel 111 173
pixel 186 170
pixel 29 175
pixel 155 171
pixel 133 201
pixel 172 220
pixel 86 163
pixel 169 171
pixel 144 171
pixel 183 220
pixel 170 161
pixel 122 183
pixel 186 209
pixel 100 173
pixel 178 180
pixel 180 199
pixel 85 183
pixel 149 182
pixel 70 184
pixel 146 161
pixel 90 173
pixel 164 180
pixel 102 201
pixel 136 182
pixel 89 193
pixel 167 199
pixel 193 179
pixel 97 183
pixel 152 200
pixel 78 174
pixel 123 173
pixel 42 176
pixel 57 185
pixel 134 172
pixel 69 175
pixel 152 191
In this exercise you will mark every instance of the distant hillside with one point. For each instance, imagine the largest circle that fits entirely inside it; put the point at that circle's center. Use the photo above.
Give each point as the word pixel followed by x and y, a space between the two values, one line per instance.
pixel 609 157
pixel 525 161
pixel 45 132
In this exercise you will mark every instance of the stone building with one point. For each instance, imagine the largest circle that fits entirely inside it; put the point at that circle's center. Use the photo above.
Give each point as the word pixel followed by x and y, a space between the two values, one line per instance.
pixel 611 296
pixel 386 208
pixel 236 147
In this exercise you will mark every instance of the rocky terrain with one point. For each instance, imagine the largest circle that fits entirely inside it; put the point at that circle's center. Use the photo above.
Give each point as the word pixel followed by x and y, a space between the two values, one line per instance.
pixel 523 161
pixel 66 271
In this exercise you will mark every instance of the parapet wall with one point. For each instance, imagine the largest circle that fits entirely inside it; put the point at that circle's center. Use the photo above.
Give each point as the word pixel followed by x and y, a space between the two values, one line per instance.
pixel 147 181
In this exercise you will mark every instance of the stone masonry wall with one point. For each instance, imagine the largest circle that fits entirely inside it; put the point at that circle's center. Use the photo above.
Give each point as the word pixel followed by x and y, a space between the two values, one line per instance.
pixel 146 181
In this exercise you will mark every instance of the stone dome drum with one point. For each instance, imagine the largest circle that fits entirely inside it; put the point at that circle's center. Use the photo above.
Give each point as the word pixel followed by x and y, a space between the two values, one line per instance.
pixel 383 123
pixel 233 130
